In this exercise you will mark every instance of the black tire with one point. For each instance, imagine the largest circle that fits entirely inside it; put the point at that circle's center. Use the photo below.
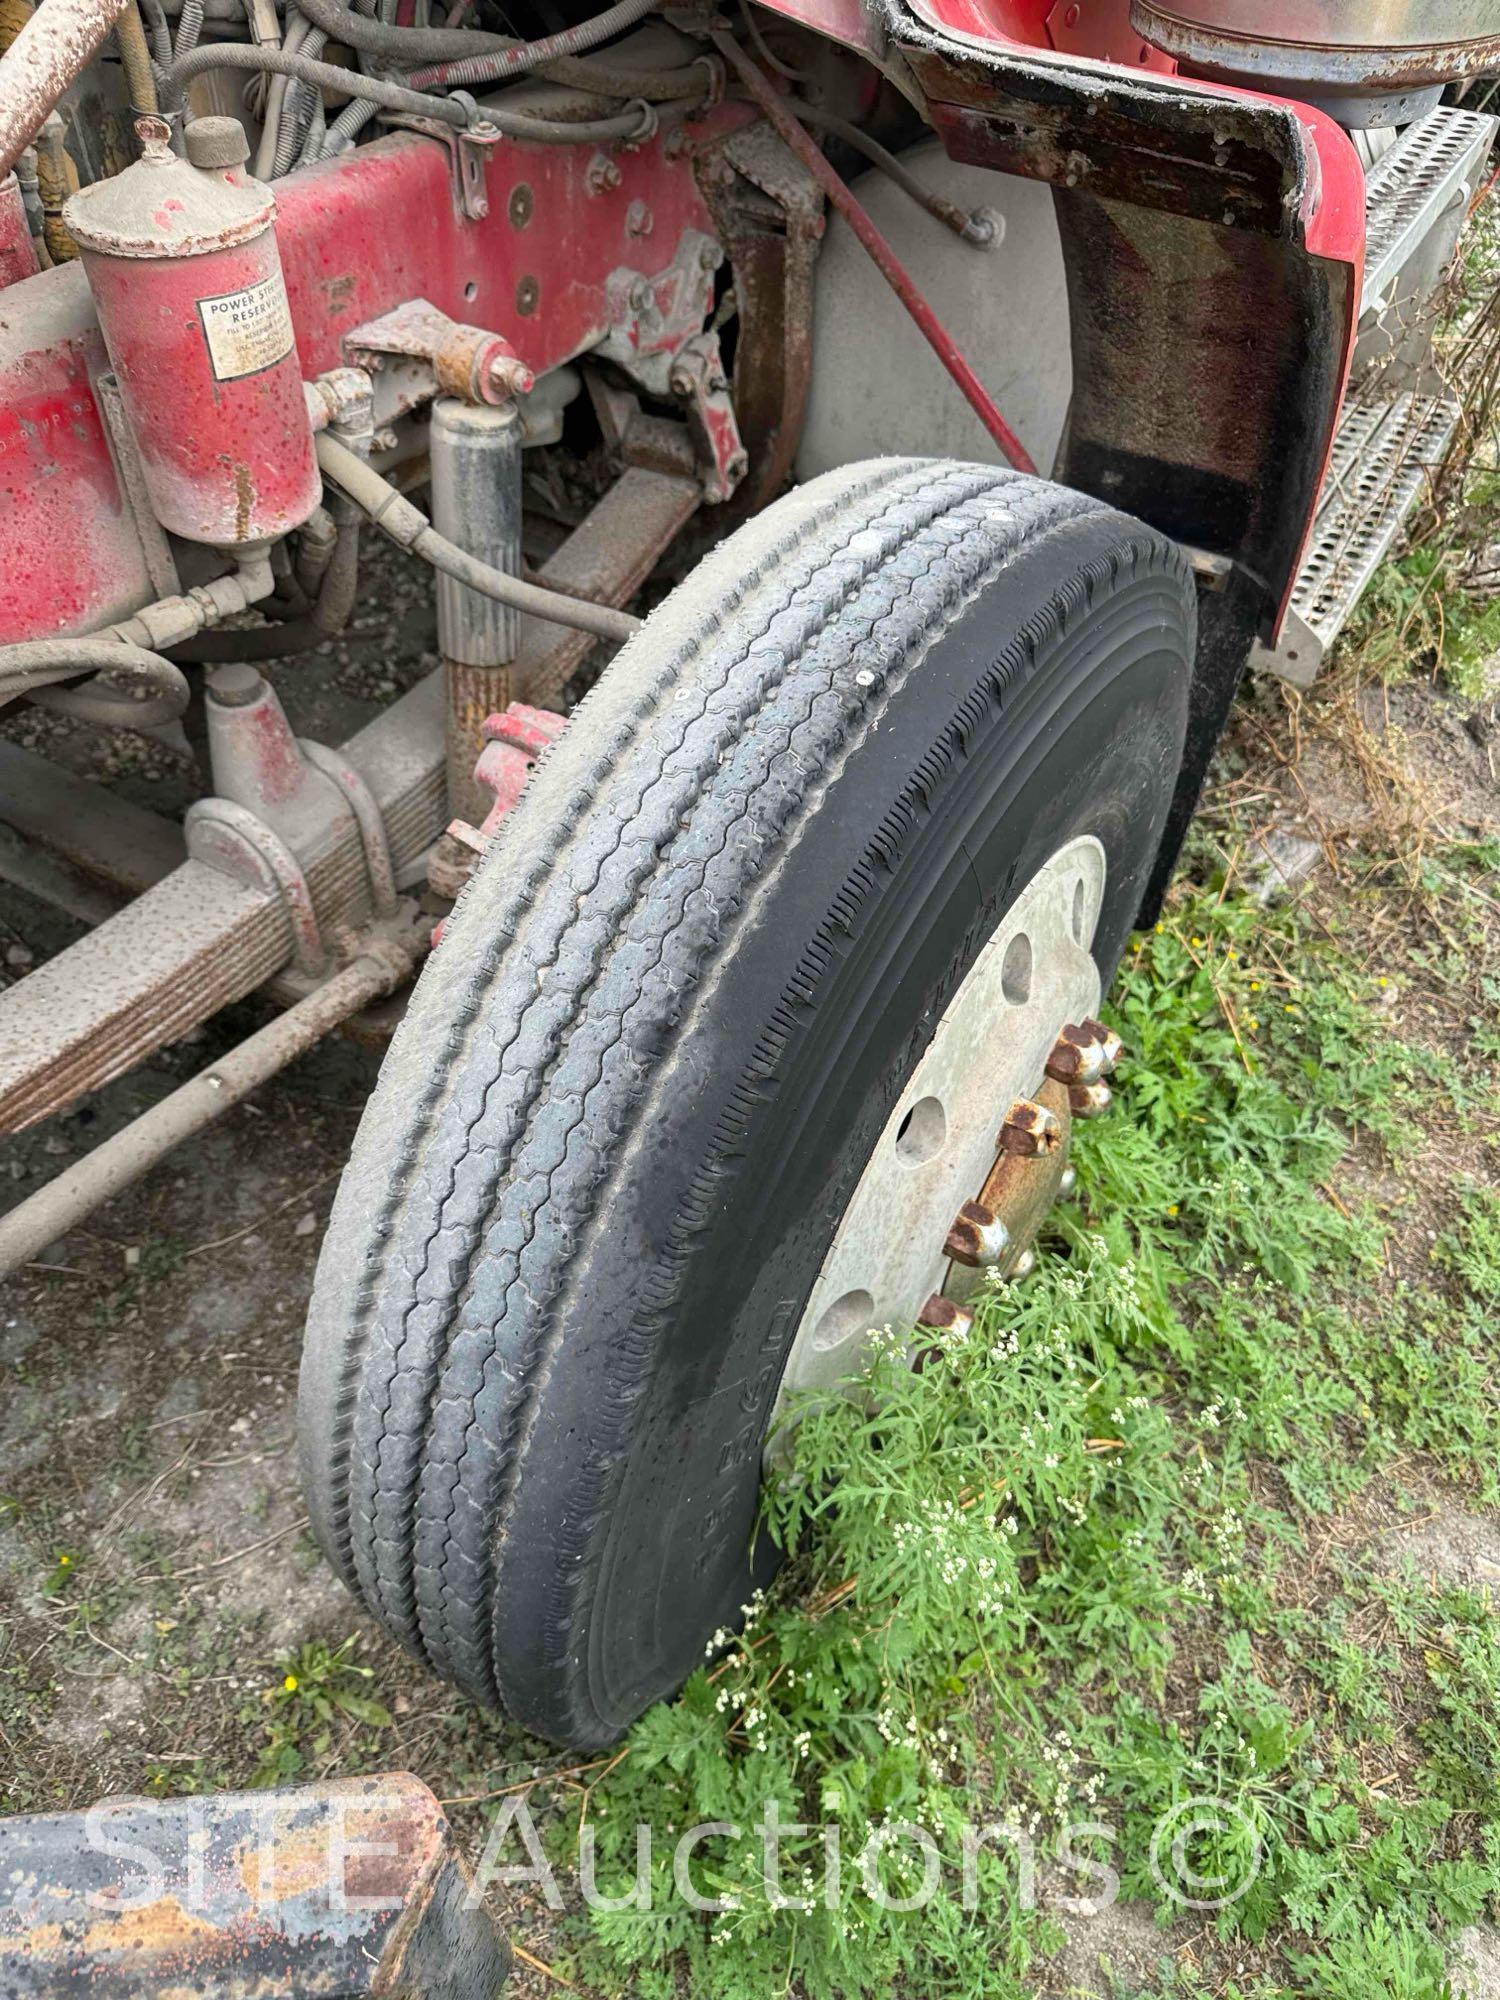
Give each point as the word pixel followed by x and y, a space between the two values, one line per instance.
pixel 666 1024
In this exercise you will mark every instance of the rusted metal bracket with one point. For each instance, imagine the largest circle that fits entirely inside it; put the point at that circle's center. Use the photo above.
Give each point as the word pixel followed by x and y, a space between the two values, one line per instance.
pixel 416 352
pixel 769 211
pixel 346 1890
pixel 468 157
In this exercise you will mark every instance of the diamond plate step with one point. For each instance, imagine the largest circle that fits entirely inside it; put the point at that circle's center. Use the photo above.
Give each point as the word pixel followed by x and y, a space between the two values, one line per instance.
pixel 1380 463
pixel 1412 186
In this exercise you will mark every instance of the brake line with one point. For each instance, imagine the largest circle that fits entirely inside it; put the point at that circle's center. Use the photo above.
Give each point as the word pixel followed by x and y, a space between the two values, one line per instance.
pixel 886 261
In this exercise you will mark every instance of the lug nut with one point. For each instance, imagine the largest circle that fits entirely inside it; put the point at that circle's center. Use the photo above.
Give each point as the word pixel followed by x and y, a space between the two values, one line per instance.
pixel 977 1237
pixel 1089 1100
pixel 1084 1054
pixel 1030 1129
pixel 945 1315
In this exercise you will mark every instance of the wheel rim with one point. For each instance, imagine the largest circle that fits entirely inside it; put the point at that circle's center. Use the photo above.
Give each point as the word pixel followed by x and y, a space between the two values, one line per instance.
pixel 938 1151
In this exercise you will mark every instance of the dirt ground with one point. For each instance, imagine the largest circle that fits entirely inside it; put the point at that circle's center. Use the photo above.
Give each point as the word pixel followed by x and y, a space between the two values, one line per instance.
pixel 157 1582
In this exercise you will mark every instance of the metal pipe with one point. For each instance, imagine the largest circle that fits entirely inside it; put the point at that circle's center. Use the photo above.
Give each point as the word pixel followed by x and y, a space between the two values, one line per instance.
pixel 55 1209
pixel 410 528
pixel 50 53
pixel 886 261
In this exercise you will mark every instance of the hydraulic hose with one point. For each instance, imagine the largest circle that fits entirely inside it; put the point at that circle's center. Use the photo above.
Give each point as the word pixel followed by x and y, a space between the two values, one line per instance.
pixel 325 76
pixel 638 122
pixel 439 45
pixel 135 60
pixel 976 228
pixel 410 528
pixel 32 667
pixel 329 613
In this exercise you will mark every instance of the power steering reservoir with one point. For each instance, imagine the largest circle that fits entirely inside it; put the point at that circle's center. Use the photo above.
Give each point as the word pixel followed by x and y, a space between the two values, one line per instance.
pixel 182 262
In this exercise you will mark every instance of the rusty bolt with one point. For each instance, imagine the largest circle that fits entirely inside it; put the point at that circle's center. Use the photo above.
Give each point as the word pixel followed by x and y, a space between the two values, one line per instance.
pixel 1089 1100
pixel 641 296
pixel 945 1315
pixel 603 175
pixel 1084 1054
pixel 1030 1129
pixel 639 220
pixel 509 377
pixel 978 1238
pixel 711 256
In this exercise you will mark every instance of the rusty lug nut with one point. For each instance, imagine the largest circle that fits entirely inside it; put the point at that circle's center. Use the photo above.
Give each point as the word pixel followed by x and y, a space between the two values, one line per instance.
pixel 977 1237
pixel 1030 1129
pixel 945 1315
pixel 1085 1053
pixel 1089 1100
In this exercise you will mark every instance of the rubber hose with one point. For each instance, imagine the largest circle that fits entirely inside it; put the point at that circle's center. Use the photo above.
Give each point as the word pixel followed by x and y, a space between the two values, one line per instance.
pixel 437 45
pixel 189 28
pixel 293 35
pixel 326 76
pixel 639 122
pixel 297 109
pixel 346 128
pixel 31 668
pixel 135 60
pixel 410 528
pixel 329 613
pixel 959 220
pixel 160 31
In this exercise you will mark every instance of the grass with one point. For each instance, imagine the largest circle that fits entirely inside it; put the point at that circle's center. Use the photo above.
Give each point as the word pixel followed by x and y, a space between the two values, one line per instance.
pixel 1089 1563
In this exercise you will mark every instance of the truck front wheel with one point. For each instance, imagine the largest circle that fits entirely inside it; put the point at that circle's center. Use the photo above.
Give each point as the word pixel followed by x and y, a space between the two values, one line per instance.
pixel 716 1043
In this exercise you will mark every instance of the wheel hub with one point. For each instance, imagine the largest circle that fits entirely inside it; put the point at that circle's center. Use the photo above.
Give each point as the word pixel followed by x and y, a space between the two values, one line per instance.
pixel 958 1185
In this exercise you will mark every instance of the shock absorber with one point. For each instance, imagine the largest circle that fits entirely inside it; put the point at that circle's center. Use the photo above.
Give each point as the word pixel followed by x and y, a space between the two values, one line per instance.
pixel 182 262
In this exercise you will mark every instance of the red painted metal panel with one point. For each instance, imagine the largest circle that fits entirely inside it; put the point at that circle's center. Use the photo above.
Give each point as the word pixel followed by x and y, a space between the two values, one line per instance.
pixel 357 236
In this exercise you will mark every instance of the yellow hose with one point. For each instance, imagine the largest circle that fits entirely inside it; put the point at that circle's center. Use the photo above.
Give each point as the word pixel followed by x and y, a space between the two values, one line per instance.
pixel 135 59
pixel 56 179
pixel 14 14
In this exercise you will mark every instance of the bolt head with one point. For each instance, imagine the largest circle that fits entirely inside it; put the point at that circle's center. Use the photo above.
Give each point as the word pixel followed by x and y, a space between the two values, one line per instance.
pixel 977 1238
pixel 1084 1054
pixel 945 1315
pixel 1030 1130
pixel 1025 1264
pixel 1068 1182
pixel 1089 1100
